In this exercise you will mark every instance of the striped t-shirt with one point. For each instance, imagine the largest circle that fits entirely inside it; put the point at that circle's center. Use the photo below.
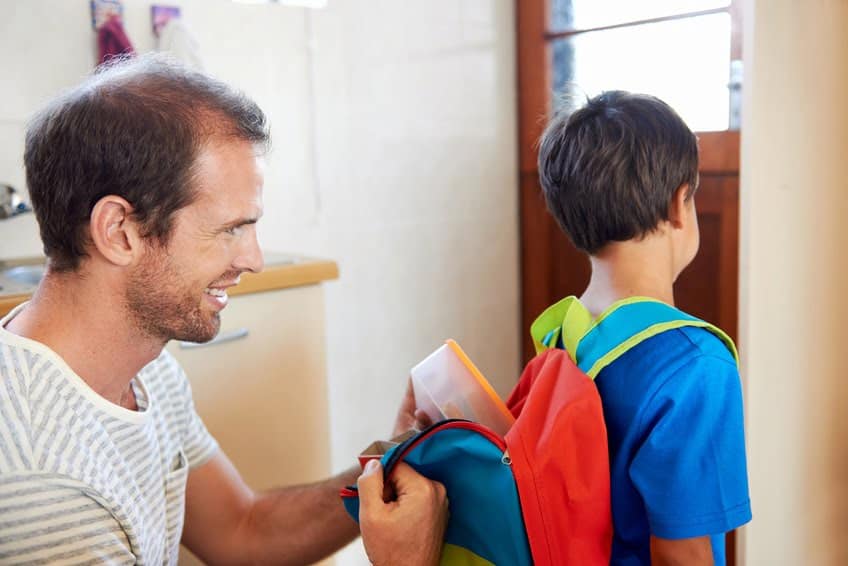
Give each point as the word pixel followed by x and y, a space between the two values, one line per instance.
pixel 84 481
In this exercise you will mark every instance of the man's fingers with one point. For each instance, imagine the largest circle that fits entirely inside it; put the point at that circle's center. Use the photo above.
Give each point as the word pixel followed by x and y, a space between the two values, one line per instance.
pixel 370 485
pixel 422 419
pixel 406 413
pixel 407 481
pixel 403 474
pixel 408 530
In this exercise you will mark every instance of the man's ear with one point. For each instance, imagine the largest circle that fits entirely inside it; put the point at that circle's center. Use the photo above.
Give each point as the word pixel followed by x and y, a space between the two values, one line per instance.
pixel 679 208
pixel 114 232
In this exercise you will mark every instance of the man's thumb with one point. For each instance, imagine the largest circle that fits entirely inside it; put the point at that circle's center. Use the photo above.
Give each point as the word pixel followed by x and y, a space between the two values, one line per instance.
pixel 370 484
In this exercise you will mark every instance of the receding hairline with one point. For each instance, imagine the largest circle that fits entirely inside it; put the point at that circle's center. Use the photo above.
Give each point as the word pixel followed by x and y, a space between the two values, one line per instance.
pixel 158 78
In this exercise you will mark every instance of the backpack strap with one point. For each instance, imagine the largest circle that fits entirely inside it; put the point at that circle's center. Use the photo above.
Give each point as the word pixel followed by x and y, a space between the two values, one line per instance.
pixel 595 344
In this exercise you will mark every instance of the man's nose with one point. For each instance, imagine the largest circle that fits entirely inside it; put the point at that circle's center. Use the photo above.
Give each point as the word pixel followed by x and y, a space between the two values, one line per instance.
pixel 250 258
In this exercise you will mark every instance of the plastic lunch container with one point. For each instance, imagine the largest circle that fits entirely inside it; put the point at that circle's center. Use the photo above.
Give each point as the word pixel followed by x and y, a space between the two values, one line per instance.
pixel 447 385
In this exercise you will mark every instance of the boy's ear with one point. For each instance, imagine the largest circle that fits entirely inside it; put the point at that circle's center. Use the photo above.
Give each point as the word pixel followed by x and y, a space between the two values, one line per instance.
pixel 113 230
pixel 679 209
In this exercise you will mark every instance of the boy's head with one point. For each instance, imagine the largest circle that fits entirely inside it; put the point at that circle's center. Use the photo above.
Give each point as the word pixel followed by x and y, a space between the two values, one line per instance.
pixel 611 170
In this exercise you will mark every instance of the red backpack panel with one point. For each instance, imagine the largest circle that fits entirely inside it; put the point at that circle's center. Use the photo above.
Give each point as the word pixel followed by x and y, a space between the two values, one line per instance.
pixel 558 447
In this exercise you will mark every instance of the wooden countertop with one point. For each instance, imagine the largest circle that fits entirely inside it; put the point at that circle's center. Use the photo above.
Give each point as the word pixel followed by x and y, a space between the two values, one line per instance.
pixel 281 272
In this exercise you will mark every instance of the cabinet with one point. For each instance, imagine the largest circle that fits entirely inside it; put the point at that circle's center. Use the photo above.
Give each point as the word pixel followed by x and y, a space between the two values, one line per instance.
pixel 263 394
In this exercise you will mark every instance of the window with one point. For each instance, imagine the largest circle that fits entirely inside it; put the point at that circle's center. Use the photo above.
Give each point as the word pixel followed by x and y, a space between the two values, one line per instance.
pixel 678 50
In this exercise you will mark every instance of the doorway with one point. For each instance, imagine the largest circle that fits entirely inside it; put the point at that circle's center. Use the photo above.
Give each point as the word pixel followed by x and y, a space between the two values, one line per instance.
pixel 585 46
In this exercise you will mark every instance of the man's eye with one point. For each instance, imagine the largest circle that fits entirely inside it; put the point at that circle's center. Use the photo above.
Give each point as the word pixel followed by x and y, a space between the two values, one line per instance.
pixel 233 231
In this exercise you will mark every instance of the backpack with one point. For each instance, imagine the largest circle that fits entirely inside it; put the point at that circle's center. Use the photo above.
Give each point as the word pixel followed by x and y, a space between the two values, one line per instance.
pixel 541 494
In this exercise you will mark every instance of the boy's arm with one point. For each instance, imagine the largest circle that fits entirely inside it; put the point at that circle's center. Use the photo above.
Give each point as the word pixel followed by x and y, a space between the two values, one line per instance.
pixel 690 467
pixel 685 552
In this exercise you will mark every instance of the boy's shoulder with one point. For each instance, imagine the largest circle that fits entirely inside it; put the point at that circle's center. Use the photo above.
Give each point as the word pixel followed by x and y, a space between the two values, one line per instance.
pixel 669 358
pixel 675 350
pixel 695 341
pixel 659 332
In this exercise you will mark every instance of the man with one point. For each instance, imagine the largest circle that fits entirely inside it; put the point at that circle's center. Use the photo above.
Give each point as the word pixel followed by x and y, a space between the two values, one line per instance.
pixel 146 181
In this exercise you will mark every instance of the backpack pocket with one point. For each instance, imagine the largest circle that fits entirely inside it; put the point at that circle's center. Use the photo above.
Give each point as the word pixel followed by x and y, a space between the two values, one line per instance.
pixel 485 523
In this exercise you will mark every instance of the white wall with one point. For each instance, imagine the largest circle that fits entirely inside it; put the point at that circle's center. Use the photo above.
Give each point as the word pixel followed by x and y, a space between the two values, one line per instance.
pixel 794 280
pixel 418 177
pixel 394 125
pixel 48 46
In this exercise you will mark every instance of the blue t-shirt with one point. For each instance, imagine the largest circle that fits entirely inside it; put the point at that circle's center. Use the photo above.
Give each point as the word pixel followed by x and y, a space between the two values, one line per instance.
pixel 673 411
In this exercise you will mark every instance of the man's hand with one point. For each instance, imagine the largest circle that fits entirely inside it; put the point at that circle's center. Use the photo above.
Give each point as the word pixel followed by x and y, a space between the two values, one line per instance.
pixel 409 417
pixel 408 530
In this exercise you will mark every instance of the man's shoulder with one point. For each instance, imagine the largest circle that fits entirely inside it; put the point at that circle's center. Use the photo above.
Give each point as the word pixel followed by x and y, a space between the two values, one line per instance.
pixel 31 385
pixel 19 356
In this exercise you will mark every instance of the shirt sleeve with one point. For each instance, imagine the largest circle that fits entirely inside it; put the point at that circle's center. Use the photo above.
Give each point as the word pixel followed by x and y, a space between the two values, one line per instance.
pixel 44 523
pixel 198 444
pixel 690 468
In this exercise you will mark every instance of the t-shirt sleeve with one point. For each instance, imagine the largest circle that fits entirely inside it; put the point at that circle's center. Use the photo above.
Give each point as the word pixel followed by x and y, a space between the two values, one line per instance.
pixel 46 523
pixel 690 468
pixel 199 446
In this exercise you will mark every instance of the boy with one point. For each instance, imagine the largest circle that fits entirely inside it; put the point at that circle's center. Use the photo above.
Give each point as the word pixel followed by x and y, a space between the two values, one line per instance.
pixel 619 175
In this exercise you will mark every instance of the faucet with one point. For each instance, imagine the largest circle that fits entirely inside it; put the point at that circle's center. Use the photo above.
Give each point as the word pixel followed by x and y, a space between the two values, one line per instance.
pixel 11 203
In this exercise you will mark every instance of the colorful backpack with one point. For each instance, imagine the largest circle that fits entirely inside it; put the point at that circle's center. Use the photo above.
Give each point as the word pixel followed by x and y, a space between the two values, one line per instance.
pixel 541 495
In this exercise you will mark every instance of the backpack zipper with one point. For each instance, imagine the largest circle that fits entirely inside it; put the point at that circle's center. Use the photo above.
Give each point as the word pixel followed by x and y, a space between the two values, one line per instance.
pixel 411 443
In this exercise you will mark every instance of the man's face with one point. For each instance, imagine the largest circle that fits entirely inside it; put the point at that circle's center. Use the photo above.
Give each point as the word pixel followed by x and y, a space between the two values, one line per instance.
pixel 178 291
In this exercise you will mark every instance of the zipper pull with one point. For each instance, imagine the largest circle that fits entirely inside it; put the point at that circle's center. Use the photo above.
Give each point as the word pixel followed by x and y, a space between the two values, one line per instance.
pixel 505 459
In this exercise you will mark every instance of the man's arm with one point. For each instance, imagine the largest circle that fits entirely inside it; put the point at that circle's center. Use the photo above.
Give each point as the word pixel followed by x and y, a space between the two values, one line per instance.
pixel 684 552
pixel 46 522
pixel 227 523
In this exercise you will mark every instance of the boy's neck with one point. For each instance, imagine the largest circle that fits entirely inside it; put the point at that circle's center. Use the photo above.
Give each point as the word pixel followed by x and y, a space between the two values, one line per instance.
pixel 643 268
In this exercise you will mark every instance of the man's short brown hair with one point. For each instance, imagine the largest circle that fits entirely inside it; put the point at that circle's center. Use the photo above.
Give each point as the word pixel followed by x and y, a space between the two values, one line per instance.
pixel 133 129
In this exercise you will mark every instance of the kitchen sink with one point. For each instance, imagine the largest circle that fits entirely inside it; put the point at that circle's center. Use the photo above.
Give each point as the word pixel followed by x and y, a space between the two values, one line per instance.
pixel 24 274
pixel 20 279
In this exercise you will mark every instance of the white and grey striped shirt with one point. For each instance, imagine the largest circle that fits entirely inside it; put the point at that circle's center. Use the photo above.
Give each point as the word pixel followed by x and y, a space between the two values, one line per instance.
pixel 84 481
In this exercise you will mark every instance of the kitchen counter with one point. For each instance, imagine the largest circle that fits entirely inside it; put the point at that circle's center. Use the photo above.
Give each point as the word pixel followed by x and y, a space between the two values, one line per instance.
pixel 281 271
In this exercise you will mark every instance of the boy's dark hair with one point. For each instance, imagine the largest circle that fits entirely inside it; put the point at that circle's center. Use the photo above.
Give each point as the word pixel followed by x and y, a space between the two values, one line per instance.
pixel 610 169
pixel 133 130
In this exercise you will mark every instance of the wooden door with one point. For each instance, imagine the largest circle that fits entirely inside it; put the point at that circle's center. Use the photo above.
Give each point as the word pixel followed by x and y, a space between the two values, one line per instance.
pixel 551 268
pixel 708 288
